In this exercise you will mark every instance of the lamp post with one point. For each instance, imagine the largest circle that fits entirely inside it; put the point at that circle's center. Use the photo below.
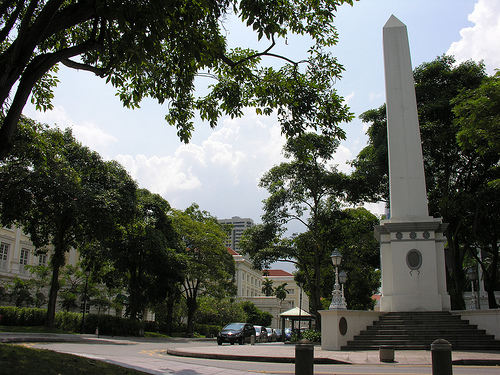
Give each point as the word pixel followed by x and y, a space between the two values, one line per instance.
pixel 472 276
pixel 337 295
pixel 87 273
pixel 301 284
pixel 343 279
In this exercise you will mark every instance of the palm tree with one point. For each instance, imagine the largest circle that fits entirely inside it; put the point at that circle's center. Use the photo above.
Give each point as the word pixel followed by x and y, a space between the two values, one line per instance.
pixel 267 287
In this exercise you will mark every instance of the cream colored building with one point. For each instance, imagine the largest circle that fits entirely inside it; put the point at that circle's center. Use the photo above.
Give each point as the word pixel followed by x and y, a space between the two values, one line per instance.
pixel 249 285
pixel 16 252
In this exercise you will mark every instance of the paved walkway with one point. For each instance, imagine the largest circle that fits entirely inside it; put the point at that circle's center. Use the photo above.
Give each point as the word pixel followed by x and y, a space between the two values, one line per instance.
pixel 286 353
pixel 276 352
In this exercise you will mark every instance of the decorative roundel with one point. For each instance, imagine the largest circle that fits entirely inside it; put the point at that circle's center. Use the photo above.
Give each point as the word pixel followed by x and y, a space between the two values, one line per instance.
pixel 413 235
pixel 399 235
pixel 343 326
pixel 414 259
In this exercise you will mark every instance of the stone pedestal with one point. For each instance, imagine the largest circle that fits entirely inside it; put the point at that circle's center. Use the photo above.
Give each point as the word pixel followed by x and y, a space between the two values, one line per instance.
pixel 413 266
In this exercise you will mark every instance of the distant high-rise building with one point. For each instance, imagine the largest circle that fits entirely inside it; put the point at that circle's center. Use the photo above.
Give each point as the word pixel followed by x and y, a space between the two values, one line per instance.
pixel 239 226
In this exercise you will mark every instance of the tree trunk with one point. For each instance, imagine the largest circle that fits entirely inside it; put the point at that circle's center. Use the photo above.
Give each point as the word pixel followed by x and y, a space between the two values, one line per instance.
pixel 57 262
pixel 191 309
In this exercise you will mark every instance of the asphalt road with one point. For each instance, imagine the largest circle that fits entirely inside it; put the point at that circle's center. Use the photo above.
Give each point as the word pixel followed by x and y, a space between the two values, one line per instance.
pixel 150 356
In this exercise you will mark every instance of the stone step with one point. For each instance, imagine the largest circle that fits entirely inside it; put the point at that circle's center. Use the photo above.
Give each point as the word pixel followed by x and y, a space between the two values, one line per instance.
pixel 417 331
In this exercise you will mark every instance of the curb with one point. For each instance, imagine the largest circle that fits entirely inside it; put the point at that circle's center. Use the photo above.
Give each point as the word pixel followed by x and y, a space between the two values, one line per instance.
pixel 250 358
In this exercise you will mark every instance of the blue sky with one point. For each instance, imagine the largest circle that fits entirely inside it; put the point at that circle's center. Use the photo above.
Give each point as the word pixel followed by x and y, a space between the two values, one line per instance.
pixel 220 168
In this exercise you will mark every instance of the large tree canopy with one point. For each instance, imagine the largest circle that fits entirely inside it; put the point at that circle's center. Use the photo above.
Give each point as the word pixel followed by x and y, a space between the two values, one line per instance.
pixel 62 194
pixel 156 48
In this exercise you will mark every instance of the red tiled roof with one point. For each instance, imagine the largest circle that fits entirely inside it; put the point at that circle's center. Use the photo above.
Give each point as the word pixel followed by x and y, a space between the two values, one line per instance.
pixel 276 273
pixel 231 251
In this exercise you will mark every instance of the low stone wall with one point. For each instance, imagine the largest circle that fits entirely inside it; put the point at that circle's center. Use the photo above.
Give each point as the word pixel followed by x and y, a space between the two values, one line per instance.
pixel 489 320
pixel 340 326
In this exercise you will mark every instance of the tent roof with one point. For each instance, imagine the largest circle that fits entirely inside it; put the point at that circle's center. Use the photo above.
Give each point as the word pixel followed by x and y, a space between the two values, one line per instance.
pixel 295 313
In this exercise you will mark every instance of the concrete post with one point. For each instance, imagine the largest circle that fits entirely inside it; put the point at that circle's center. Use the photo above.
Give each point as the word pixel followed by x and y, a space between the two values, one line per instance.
pixel 252 340
pixel 386 353
pixel 304 358
pixel 441 358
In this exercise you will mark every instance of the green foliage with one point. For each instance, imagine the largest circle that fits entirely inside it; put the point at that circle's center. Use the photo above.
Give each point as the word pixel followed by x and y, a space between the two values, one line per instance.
pixel 143 253
pixel 267 287
pixel 137 47
pixel 20 292
pixel 215 311
pixel 62 194
pixel 280 292
pixel 210 268
pixel 22 316
pixel 308 189
pixel 309 334
pixel 256 316
pixel 477 116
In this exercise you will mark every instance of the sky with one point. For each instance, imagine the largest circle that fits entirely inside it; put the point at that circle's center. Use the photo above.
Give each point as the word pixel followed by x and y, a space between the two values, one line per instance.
pixel 220 168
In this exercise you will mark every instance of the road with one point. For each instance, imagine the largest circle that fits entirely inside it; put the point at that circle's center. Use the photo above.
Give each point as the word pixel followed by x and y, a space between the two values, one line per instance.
pixel 149 355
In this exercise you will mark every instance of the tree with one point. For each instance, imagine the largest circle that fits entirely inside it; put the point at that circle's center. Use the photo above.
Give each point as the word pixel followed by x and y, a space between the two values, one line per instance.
pixel 217 311
pixel 20 292
pixel 61 193
pixel 145 253
pixel 455 176
pixel 267 287
pixel 156 49
pixel 280 292
pixel 477 116
pixel 210 268
pixel 255 316
pixel 298 190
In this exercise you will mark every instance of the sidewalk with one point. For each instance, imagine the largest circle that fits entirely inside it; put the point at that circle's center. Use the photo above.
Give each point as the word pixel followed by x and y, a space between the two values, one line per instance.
pixel 286 354
pixel 274 352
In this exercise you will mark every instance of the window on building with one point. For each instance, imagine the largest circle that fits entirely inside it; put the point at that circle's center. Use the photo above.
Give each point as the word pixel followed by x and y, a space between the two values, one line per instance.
pixel 87 307
pixel 24 260
pixel 42 260
pixel 4 255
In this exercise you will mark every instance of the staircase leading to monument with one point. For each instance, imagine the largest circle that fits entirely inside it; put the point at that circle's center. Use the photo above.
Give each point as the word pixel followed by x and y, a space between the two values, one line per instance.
pixel 417 330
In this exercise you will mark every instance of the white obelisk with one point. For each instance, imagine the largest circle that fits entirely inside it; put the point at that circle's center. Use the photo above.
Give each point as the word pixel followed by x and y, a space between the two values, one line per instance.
pixel 411 242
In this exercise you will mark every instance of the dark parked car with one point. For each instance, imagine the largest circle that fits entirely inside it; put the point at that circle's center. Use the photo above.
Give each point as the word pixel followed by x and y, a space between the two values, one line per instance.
pixel 236 332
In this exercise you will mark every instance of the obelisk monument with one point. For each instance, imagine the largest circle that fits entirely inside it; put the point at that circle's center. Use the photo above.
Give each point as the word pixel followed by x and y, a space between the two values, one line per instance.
pixel 411 241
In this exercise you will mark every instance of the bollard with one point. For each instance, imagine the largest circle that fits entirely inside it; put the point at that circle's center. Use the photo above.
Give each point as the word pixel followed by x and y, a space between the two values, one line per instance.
pixel 386 353
pixel 304 358
pixel 252 340
pixel 441 357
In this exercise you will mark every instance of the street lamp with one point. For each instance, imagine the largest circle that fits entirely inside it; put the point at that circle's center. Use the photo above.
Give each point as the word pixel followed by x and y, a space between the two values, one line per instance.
pixel 472 276
pixel 343 279
pixel 87 273
pixel 301 284
pixel 337 295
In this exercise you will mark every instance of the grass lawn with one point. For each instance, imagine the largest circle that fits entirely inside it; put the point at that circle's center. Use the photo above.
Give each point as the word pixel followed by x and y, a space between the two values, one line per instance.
pixel 17 360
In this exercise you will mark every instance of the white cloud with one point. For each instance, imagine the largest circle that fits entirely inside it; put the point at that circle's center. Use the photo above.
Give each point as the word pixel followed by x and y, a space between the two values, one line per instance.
pixel 481 41
pixel 162 175
pixel 88 133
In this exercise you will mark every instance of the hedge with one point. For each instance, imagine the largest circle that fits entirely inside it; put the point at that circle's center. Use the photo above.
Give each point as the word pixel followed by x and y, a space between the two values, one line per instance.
pixel 71 322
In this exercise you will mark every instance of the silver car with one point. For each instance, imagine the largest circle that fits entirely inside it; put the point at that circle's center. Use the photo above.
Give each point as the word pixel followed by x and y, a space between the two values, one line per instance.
pixel 260 334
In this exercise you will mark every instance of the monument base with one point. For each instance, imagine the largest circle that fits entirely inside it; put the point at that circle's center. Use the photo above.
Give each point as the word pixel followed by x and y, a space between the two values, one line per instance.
pixel 413 265
pixel 340 326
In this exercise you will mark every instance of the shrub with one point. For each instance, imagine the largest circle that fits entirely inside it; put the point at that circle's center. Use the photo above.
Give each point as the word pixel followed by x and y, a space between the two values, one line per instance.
pixel 310 334
pixel 22 316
